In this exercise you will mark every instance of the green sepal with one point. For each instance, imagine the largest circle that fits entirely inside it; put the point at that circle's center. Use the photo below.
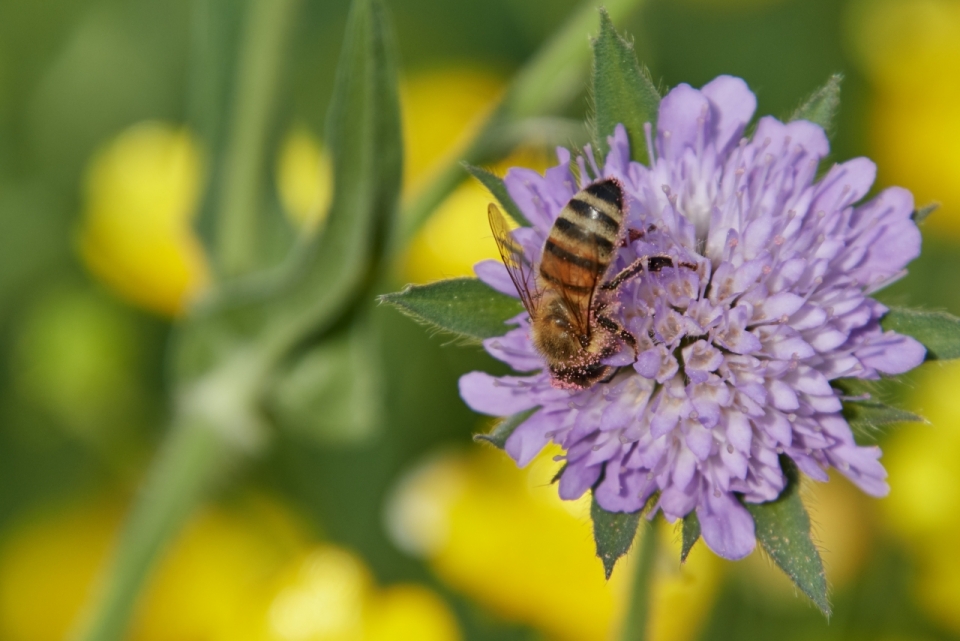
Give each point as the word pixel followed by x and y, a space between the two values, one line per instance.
pixel 868 416
pixel 920 214
pixel 464 306
pixel 495 185
pixel 501 431
pixel 614 532
pixel 822 105
pixel 939 332
pixel 864 413
pixel 622 92
pixel 691 534
pixel 783 531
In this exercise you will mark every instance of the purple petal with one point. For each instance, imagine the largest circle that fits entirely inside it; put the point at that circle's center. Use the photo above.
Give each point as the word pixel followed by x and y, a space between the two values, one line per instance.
pixel 732 106
pixel 676 502
pixel 899 240
pixel 861 465
pixel 622 489
pixel 577 479
pixel 515 349
pixel 739 431
pixel 494 274
pixel 618 160
pixel 892 353
pixel 494 396
pixel 844 185
pixel 776 136
pixel 531 436
pixel 527 187
pixel 726 526
pixel 679 119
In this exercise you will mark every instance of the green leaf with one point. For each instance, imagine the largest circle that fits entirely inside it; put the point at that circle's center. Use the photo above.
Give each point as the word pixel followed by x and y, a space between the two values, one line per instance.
pixel 501 432
pixel 499 190
pixel 822 105
pixel 240 184
pixel 691 534
pixel 613 533
pixel 920 214
pixel 938 331
pixel 464 306
pixel 866 417
pixel 865 414
pixel 783 530
pixel 270 314
pixel 363 132
pixel 333 392
pixel 622 91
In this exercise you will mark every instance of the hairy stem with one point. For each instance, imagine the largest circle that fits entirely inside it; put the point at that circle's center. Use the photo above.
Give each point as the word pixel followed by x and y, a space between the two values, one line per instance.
pixel 638 605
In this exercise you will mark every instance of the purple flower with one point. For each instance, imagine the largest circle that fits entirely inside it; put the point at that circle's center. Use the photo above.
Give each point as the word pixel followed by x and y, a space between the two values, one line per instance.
pixel 735 356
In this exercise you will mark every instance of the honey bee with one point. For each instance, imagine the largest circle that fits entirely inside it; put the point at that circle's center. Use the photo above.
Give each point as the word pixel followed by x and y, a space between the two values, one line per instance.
pixel 566 294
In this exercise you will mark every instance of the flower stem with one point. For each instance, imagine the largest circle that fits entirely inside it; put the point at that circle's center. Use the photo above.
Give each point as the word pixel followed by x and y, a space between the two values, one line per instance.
pixel 239 192
pixel 193 458
pixel 638 605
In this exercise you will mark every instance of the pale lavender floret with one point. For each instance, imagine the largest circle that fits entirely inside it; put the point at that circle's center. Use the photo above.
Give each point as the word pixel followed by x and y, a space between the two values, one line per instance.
pixel 735 357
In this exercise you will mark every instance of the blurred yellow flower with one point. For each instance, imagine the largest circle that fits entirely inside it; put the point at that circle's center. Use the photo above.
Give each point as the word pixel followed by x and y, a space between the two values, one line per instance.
pixel 242 572
pixel 924 503
pixel 457 235
pixel 328 595
pixel 47 564
pixel 503 536
pixel 441 108
pixel 140 198
pixel 304 178
pixel 203 588
pixel 843 524
pixel 682 595
pixel 403 612
pixel 910 50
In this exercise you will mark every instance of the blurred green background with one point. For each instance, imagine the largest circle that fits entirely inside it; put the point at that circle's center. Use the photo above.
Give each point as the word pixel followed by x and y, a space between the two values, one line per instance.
pixel 393 525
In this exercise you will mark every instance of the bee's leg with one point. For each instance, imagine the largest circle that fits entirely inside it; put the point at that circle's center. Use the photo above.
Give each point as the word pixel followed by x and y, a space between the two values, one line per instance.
pixel 627 273
pixel 614 327
pixel 635 234
pixel 652 263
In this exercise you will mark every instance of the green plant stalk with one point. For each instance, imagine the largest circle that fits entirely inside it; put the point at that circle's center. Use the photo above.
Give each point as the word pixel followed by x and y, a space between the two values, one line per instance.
pixel 638 605
pixel 551 78
pixel 239 194
pixel 193 458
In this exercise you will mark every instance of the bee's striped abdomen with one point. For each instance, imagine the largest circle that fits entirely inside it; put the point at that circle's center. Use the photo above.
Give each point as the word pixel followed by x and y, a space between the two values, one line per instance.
pixel 584 238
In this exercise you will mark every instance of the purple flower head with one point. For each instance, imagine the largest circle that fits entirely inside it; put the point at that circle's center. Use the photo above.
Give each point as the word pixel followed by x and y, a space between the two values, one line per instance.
pixel 765 303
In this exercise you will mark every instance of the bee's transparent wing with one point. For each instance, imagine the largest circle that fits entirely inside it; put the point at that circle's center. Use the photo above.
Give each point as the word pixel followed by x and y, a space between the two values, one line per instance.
pixel 515 260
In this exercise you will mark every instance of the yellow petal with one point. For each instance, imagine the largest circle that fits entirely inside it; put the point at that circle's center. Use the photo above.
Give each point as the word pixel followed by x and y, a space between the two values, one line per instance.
pixel 140 197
